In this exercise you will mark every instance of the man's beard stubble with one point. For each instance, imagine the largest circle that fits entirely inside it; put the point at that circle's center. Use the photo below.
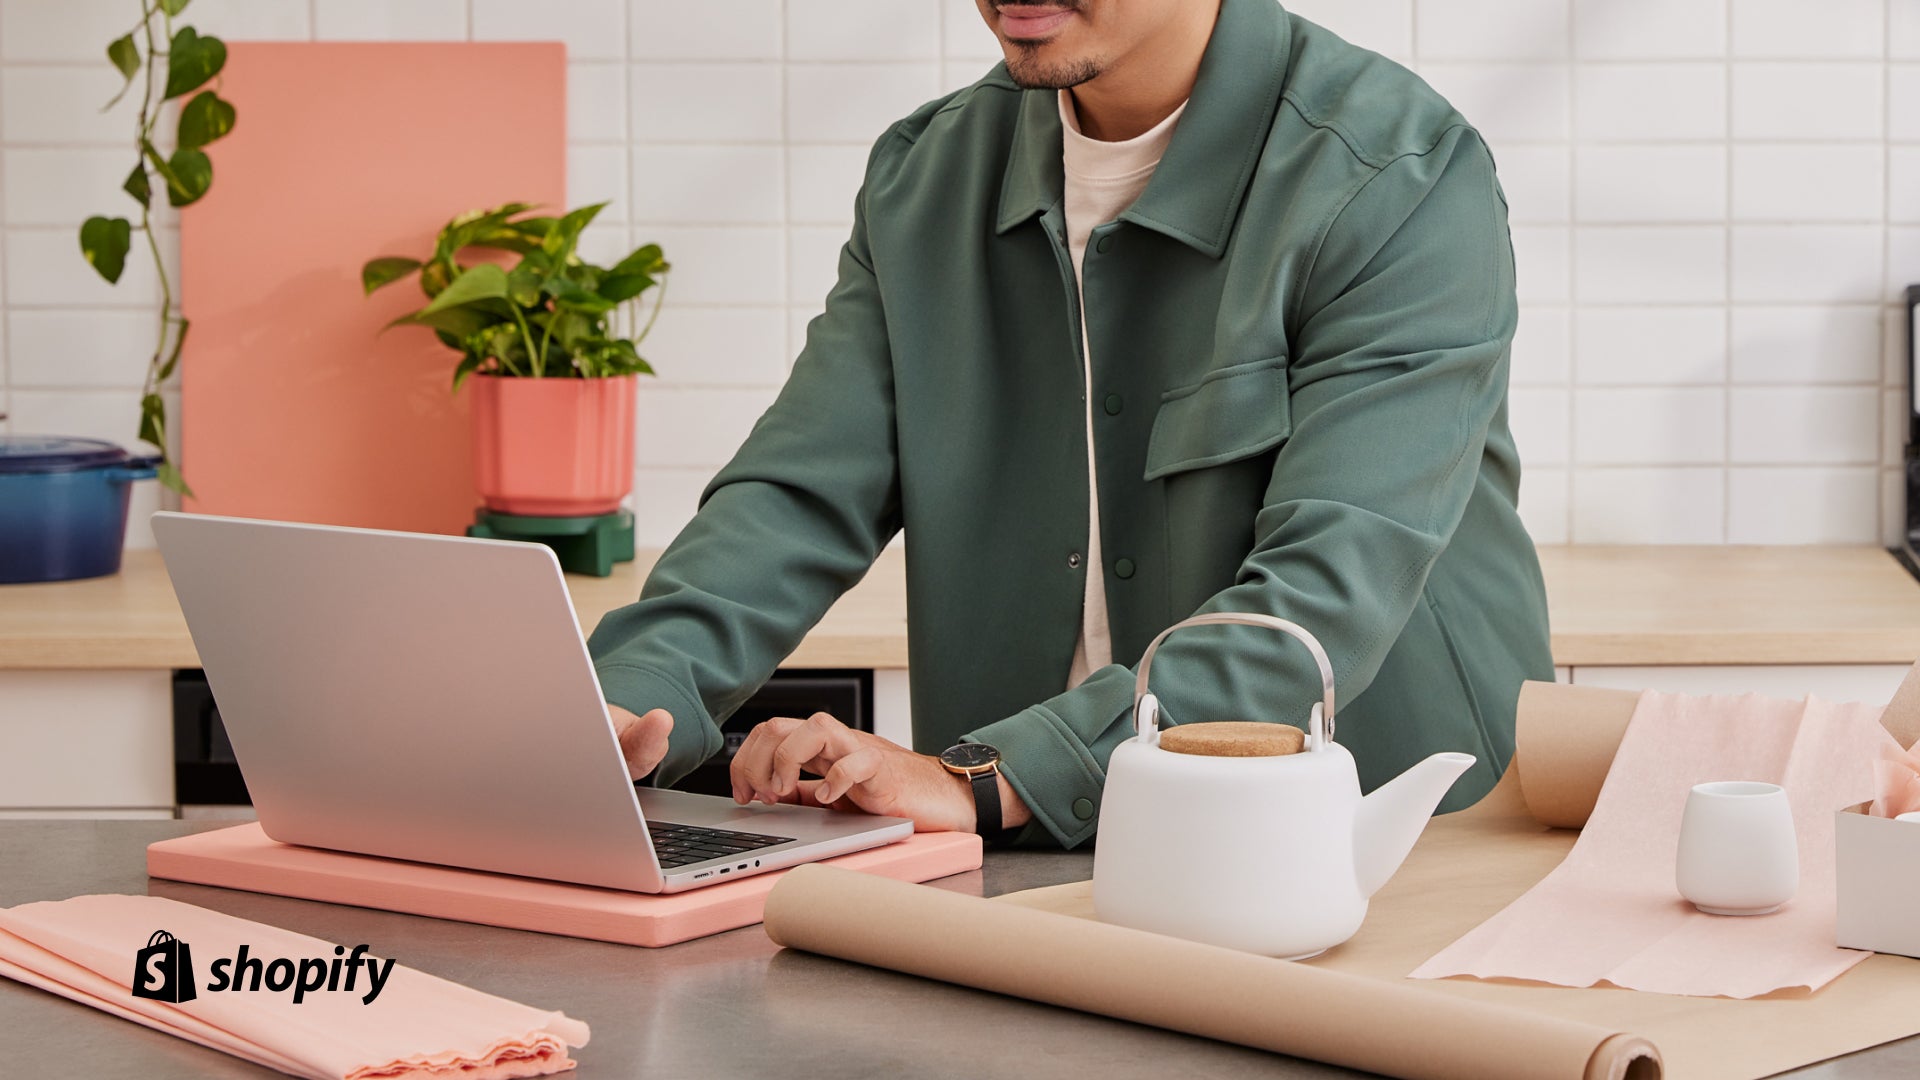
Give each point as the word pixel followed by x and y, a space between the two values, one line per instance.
pixel 1029 72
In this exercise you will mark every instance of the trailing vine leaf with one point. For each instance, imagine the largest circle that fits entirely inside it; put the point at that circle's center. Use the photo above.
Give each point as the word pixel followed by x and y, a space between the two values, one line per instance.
pixel 138 186
pixel 153 420
pixel 173 358
pixel 173 7
pixel 204 118
pixel 105 241
pixel 189 175
pixel 125 56
pixel 434 277
pixel 192 60
pixel 386 270
pixel 619 287
pixel 169 475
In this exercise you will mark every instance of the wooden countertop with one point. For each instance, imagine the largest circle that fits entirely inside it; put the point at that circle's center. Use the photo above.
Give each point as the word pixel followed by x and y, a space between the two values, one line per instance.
pixel 1610 606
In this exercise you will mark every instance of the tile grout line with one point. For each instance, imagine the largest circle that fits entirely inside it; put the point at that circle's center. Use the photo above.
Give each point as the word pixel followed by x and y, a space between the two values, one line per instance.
pixel 1885 517
pixel 1571 480
pixel 1726 352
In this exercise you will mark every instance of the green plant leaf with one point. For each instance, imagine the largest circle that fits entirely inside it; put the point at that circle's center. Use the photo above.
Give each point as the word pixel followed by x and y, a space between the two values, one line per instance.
pixel 173 358
pixel 622 287
pixel 463 230
pixel 525 282
pixel 189 174
pixel 138 185
pixel 173 7
pixel 483 282
pixel 169 475
pixel 461 322
pixel 125 56
pixel 192 60
pixel 644 260
pixel 468 365
pixel 434 277
pixel 386 270
pixel 205 118
pixel 153 421
pixel 104 241
pixel 565 233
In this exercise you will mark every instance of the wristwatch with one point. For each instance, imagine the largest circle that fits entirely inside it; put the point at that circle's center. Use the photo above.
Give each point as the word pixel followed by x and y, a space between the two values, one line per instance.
pixel 980 764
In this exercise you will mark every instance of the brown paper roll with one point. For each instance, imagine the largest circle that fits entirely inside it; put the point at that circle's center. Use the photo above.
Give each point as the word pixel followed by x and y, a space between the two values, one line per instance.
pixel 1287 1008
pixel 1564 741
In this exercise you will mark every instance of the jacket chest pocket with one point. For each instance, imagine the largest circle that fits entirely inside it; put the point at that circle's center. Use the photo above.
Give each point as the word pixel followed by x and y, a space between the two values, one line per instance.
pixel 1234 413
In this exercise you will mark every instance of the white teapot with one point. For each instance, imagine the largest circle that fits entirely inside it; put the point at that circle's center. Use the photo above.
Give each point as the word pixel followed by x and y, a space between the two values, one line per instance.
pixel 1271 855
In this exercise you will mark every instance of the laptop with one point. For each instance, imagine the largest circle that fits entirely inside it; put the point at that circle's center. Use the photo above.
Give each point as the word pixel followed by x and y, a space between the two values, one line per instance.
pixel 431 698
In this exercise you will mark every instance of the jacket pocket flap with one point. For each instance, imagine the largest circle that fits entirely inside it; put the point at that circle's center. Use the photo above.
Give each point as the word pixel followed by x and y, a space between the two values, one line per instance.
pixel 1233 413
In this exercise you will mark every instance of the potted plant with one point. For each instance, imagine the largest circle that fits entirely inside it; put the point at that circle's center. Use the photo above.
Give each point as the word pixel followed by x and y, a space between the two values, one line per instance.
pixel 184 62
pixel 552 370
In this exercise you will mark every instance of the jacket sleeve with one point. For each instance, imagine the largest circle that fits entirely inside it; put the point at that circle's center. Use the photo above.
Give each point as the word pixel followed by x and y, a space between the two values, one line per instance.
pixel 1398 368
pixel 792 522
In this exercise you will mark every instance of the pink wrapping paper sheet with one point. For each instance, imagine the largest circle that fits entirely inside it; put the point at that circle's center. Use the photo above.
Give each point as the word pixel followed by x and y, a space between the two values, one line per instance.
pixel 1610 912
pixel 84 948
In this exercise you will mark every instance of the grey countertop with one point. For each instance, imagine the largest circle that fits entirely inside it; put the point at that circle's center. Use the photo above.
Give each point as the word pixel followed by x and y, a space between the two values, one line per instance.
pixel 731 1005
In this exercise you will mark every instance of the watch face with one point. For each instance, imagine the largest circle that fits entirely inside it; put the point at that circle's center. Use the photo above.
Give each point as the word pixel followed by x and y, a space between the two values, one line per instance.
pixel 969 756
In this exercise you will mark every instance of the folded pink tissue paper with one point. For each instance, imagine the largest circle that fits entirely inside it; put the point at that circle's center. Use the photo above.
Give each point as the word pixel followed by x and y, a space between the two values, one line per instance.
pixel 1898 773
pixel 297 1004
pixel 1611 913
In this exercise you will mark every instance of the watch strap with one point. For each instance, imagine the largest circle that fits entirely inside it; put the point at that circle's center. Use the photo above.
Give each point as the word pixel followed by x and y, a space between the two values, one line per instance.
pixel 986 808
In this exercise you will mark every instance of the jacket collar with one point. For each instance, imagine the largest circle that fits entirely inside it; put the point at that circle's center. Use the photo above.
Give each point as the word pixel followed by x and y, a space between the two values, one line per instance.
pixel 1196 192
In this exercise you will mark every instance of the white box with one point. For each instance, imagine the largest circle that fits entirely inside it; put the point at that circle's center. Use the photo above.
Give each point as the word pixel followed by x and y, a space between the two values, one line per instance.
pixel 1876 877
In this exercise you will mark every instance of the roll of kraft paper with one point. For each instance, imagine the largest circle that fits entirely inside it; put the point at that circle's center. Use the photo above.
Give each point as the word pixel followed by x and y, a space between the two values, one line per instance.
pixel 1287 1008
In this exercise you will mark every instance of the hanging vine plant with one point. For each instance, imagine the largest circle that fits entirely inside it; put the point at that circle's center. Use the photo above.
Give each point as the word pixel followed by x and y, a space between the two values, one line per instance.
pixel 187 63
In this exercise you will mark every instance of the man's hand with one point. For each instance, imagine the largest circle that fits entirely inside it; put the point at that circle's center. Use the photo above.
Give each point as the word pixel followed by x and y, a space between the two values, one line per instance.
pixel 861 771
pixel 643 739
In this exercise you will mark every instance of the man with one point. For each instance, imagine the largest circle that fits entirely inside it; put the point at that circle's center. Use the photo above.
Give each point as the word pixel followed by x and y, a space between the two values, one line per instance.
pixel 1265 276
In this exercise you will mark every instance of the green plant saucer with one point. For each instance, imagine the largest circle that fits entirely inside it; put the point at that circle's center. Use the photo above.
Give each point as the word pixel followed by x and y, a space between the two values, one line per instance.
pixel 584 545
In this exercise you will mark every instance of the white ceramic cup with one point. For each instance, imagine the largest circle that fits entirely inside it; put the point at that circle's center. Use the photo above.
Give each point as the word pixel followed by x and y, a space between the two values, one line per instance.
pixel 1738 854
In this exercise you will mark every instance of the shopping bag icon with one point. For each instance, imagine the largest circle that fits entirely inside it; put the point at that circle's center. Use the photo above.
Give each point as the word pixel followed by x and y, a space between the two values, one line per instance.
pixel 163 970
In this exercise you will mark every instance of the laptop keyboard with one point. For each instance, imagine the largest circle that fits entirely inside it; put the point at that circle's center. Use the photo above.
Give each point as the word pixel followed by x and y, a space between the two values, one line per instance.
pixel 680 845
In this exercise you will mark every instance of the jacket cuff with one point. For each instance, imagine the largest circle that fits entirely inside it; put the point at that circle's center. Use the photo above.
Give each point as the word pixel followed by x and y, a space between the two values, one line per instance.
pixel 694 738
pixel 1051 772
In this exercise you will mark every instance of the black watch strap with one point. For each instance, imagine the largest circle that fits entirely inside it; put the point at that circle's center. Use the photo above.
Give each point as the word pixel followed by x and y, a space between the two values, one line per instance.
pixel 986 808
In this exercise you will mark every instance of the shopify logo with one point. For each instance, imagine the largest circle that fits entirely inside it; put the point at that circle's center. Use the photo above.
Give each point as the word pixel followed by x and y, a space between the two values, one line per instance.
pixel 163 971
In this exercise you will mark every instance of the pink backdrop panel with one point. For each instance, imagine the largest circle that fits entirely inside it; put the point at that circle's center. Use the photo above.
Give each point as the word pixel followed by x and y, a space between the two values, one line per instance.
pixel 294 405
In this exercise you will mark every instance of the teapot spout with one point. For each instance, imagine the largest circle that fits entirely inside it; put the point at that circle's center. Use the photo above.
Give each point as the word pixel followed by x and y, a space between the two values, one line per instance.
pixel 1391 819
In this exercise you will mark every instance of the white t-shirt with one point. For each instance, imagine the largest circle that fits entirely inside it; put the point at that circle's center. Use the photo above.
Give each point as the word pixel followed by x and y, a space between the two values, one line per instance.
pixel 1102 180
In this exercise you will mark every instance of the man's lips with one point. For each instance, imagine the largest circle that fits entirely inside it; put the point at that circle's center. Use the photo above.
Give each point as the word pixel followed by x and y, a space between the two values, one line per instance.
pixel 1030 21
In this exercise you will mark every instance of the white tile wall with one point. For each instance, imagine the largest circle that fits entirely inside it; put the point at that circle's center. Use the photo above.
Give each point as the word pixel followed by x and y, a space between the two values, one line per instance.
pixel 1716 204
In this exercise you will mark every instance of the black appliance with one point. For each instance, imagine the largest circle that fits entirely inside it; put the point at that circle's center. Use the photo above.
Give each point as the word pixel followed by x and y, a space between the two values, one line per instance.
pixel 1909 550
pixel 206 774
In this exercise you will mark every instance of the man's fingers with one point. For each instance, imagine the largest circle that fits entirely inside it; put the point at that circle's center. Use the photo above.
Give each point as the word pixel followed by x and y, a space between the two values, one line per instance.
pixel 643 740
pixel 818 740
pixel 851 771
pixel 753 764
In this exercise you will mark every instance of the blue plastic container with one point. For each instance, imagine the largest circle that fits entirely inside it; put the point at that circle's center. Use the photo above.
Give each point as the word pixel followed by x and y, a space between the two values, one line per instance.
pixel 63 506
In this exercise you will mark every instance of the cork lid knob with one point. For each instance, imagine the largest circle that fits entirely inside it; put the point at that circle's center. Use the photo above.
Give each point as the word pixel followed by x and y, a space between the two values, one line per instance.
pixel 1236 738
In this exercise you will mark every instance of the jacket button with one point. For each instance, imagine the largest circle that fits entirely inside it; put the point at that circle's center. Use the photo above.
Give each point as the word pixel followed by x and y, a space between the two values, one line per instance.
pixel 1113 404
pixel 1123 568
pixel 1073 561
pixel 1083 809
pixel 1104 244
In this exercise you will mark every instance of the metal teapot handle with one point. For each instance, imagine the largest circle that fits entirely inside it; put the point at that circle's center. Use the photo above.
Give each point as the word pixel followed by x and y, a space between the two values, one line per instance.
pixel 1146 707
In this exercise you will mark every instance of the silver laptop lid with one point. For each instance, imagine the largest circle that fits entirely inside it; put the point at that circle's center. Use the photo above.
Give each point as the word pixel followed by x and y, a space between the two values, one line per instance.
pixel 417 697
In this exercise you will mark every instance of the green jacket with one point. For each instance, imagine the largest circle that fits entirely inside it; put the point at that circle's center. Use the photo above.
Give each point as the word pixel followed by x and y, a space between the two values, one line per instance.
pixel 1299 343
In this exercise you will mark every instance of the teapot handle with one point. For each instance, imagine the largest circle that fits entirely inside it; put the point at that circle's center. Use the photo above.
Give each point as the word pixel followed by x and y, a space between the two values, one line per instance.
pixel 1146 707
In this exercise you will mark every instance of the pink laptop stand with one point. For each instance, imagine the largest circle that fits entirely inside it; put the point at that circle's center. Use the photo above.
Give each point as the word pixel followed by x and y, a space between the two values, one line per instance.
pixel 243 857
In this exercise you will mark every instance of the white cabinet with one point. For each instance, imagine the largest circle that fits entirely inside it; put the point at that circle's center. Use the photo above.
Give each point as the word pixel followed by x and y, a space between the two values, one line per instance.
pixel 86 743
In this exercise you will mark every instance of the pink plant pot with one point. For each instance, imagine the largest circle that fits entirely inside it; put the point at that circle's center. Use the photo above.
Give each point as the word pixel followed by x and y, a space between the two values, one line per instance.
pixel 553 447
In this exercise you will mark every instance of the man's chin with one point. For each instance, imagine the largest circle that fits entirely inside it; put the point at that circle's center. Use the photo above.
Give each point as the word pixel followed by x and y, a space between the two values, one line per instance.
pixel 1031 71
